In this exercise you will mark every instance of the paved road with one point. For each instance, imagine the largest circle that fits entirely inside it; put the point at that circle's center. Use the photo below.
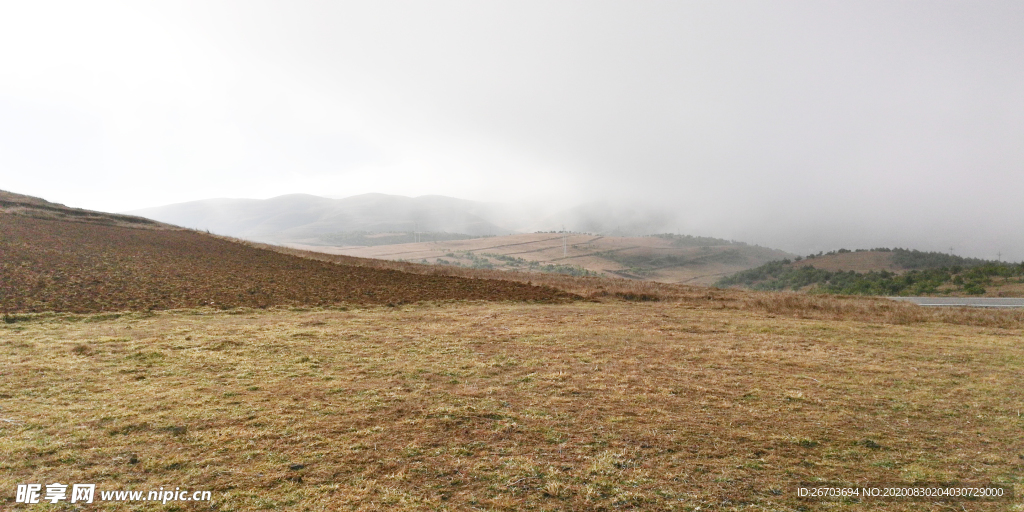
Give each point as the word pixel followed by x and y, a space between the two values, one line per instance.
pixel 978 302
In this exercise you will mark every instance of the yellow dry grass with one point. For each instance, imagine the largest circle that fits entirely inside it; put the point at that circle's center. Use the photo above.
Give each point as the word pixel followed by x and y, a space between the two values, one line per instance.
pixel 721 401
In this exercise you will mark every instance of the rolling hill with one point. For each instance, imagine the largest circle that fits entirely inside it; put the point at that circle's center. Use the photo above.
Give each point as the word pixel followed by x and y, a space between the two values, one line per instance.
pixel 885 272
pixel 663 258
pixel 313 219
pixel 56 258
pixel 358 220
pixel 456 232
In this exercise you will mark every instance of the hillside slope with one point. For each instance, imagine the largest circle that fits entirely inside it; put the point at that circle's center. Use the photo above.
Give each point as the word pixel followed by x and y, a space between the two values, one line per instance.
pixel 54 258
pixel 662 258
pixel 886 272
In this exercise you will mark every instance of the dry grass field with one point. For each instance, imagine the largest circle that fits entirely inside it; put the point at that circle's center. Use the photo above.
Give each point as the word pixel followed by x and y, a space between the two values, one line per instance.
pixel 358 384
pixel 703 403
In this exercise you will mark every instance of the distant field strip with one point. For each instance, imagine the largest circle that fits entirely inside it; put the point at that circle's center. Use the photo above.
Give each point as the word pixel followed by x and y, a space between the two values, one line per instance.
pixel 517 243
pixel 974 302
pixel 388 254
pixel 700 277
pixel 592 240
pixel 597 253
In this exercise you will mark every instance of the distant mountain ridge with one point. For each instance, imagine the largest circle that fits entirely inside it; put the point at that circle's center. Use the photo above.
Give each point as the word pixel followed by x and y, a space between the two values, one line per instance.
pixel 304 218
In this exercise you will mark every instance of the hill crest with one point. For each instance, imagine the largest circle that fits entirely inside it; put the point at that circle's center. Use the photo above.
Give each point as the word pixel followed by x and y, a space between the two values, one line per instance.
pixel 35 207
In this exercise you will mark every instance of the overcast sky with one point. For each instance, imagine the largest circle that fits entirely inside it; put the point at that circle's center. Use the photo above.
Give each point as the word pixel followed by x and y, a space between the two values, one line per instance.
pixel 800 125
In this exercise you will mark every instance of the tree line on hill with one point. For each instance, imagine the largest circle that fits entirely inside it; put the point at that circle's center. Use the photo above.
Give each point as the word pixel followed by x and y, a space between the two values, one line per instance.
pixel 927 273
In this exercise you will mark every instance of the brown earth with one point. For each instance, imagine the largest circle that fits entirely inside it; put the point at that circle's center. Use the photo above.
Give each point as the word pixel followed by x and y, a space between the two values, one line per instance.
pixel 50 264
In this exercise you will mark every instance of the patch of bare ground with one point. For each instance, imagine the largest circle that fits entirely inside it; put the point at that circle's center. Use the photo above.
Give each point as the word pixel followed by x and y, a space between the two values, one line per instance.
pixel 722 403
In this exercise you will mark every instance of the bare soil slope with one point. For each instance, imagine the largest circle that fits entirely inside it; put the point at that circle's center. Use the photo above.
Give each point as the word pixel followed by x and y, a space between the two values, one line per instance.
pixel 54 258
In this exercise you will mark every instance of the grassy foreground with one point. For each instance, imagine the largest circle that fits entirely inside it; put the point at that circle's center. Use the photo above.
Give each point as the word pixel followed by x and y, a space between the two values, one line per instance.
pixel 482 406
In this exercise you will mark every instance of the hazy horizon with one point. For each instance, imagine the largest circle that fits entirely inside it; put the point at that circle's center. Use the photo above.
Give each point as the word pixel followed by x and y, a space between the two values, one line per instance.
pixel 802 126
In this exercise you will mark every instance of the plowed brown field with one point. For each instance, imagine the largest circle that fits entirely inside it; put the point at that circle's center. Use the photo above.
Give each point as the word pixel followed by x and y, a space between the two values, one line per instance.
pixel 79 267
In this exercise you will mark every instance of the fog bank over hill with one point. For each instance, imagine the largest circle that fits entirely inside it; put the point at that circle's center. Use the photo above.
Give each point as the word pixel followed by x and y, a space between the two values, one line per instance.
pixel 340 221
pixel 313 219
pixel 806 126
pixel 303 216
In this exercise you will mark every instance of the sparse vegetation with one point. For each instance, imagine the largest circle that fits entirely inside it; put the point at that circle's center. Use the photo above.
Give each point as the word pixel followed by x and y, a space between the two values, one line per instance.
pixel 696 241
pixel 474 260
pixel 644 263
pixel 536 266
pixel 485 261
